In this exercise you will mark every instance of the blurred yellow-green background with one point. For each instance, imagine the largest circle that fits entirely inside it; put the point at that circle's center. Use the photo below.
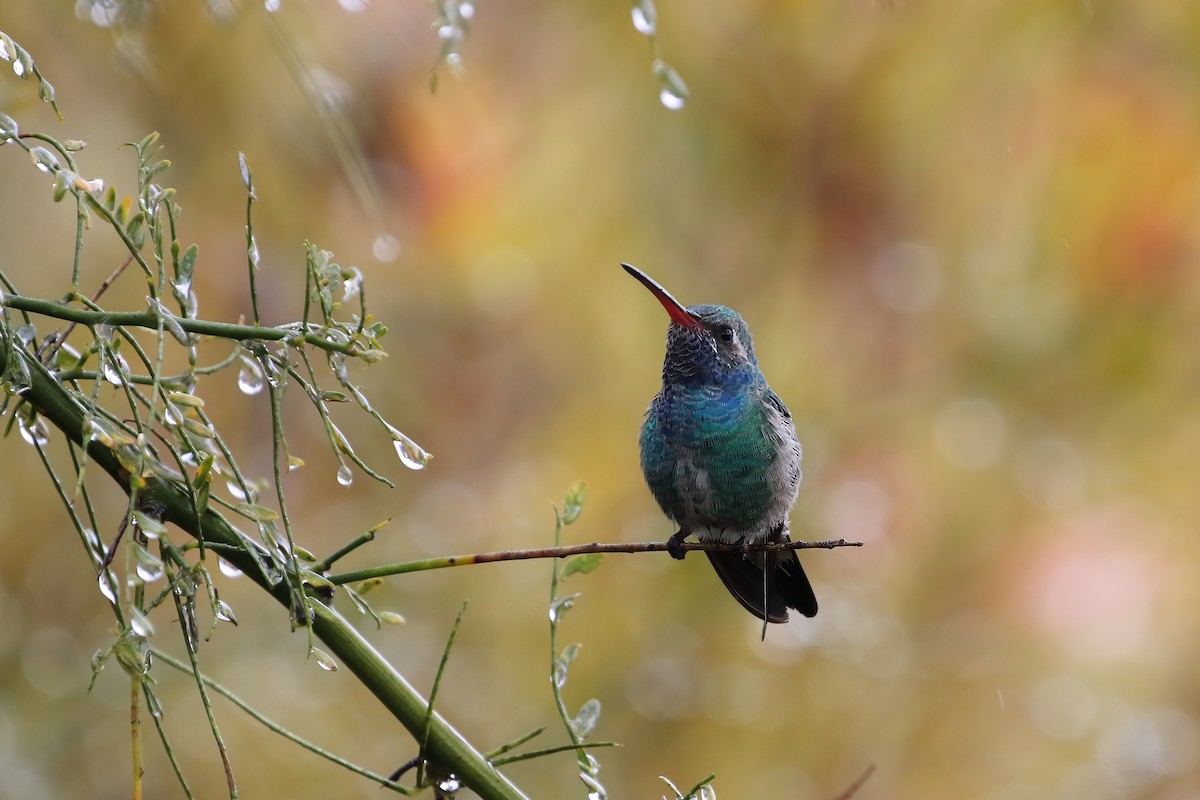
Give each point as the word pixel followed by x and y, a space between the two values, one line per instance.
pixel 965 237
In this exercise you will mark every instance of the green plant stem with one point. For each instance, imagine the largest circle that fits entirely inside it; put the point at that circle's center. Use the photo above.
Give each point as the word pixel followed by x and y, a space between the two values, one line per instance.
pixel 149 320
pixel 446 745
pixel 575 550
pixel 367 536
pixel 273 726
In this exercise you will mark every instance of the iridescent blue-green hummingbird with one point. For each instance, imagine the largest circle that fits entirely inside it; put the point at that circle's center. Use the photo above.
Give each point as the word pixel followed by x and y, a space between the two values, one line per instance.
pixel 721 457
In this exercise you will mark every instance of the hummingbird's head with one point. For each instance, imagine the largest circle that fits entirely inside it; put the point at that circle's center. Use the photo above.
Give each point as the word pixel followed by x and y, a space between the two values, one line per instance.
pixel 706 344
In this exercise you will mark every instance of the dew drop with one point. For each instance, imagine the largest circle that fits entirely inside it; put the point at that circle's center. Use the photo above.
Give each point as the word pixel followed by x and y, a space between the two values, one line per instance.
pixel 344 475
pixel 104 14
pixel 671 100
pixel 19 68
pixel 252 252
pixel 466 9
pixel 271 6
pixel 235 490
pixel 353 6
pixel 8 126
pixel 35 433
pixel 187 301
pixel 225 613
pixel 228 569
pixel 645 17
pixel 171 416
pixel 108 586
pixel 149 573
pixel 562 605
pixel 411 454
pixel 352 285
pixel 140 625
pixel 42 158
pixel 673 92
pixel 94 545
pixel 116 369
pixel 324 660
pixel 250 378
pixel 149 567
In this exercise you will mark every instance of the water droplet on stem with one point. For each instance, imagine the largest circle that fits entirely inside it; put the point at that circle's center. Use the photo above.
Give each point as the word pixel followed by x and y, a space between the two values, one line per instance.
pixel 411 454
pixel 108 586
pixel 645 17
pixel 250 377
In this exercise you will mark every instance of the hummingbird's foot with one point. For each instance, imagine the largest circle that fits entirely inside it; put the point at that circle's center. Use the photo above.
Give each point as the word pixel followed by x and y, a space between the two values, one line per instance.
pixel 743 545
pixel 675 544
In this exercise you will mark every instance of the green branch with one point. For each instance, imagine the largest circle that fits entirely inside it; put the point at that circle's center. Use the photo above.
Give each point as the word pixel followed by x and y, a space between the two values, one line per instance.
pixel 445 745
pixel 150 320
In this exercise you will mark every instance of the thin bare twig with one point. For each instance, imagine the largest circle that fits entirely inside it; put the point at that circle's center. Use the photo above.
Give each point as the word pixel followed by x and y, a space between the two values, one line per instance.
pixel 854 787
pixel 574 550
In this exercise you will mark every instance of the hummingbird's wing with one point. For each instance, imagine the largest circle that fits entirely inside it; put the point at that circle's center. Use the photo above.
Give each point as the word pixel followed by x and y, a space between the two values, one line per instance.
pixel 777 401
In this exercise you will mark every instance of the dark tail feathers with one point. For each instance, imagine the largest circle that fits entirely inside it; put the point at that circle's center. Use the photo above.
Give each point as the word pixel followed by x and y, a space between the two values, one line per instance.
pixel 766 596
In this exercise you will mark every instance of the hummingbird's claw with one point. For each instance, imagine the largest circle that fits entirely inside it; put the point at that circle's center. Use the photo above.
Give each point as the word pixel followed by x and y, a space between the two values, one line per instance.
pixel 675 544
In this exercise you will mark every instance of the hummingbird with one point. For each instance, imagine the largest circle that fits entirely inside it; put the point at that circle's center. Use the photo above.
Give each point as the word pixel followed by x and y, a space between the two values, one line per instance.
pixel 720 454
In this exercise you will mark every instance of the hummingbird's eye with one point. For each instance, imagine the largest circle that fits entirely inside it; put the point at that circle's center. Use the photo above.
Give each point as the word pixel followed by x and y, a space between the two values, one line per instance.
pixel 726 333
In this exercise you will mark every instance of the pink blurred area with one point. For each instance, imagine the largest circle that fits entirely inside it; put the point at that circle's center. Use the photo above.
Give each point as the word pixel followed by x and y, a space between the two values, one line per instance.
pixel 965 238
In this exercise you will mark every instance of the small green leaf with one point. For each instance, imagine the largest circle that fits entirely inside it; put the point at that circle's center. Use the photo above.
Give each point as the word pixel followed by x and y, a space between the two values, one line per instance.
pixel 62 182
pixel 8 127
pixel 316 581
pixel 573 502
pixel 202 490
pixel 585 721
pixel 369 584
pixel 197 428
pixel 136 229
pixel 255 511
pixel 582 564
pixel 187 263
pixel 149 139
pixel 185 399
pixel 244 170
pixel 149 525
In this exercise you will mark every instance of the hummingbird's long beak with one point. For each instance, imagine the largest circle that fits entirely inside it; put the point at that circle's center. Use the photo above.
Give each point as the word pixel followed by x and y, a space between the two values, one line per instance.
pixel 679 314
